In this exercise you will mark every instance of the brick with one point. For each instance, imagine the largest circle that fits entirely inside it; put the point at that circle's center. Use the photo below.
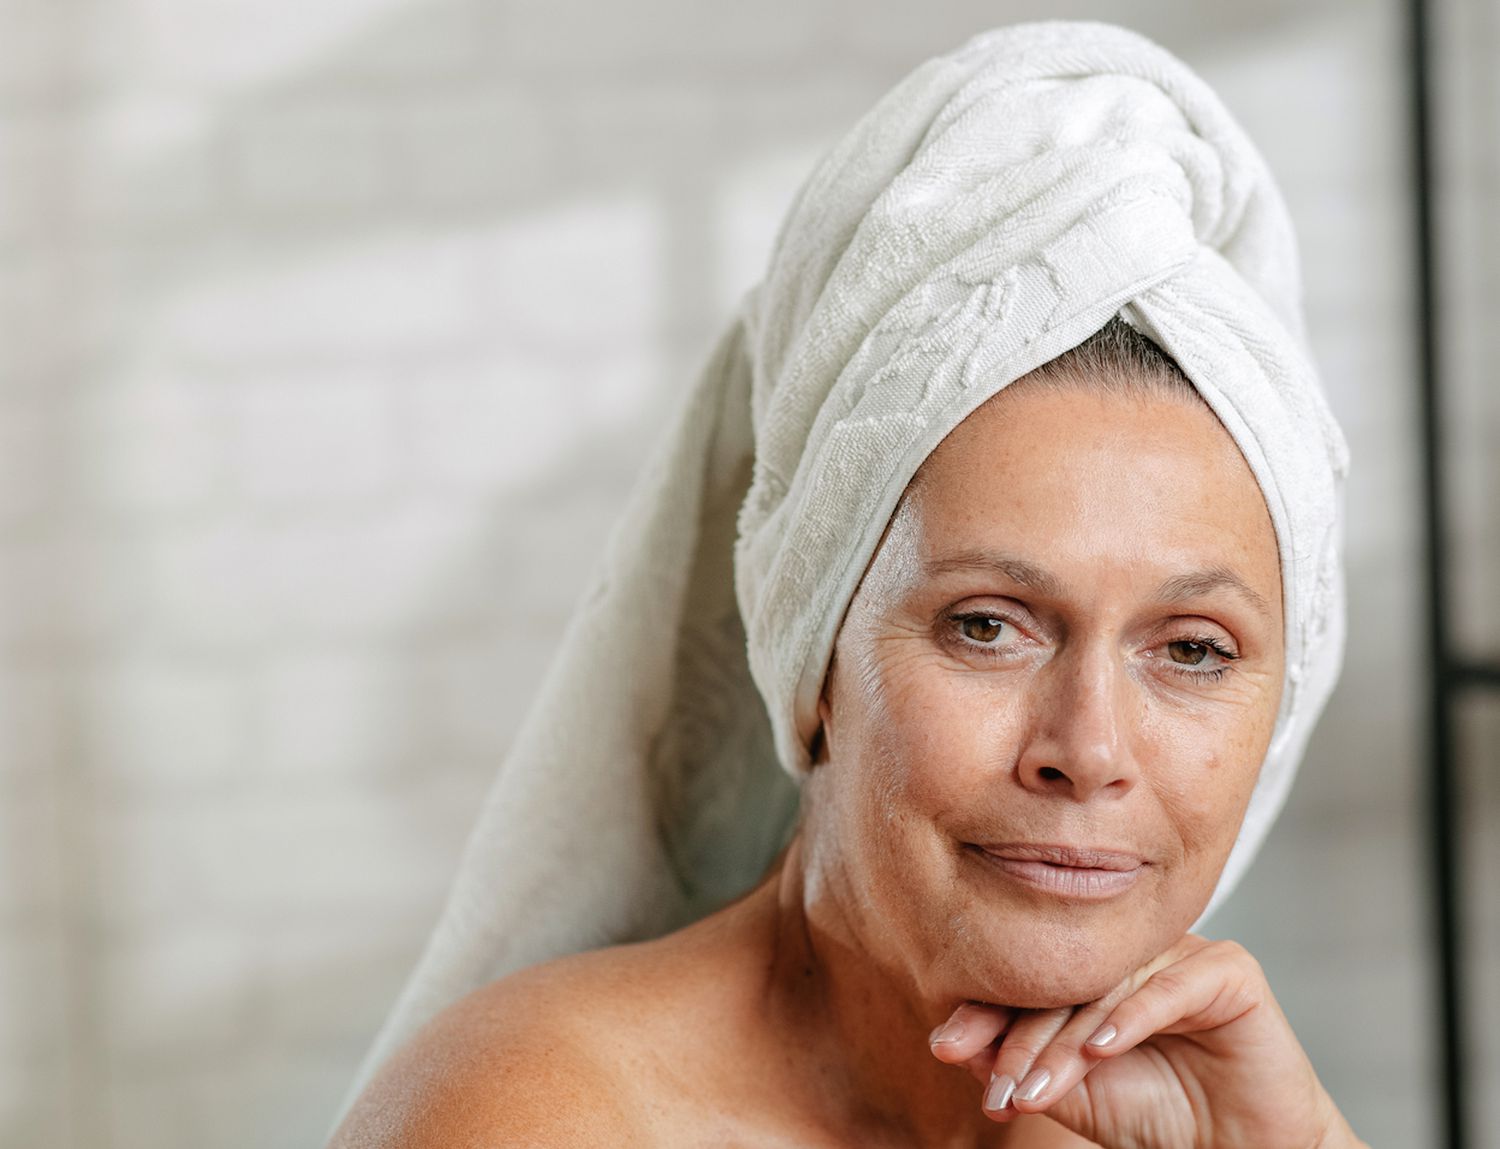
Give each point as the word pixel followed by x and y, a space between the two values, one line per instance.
pixel 98 585
pixel 329 986
pixel 308 155
pixel 264 859
pixel 505 422
pixel 33 50
pixel 31 156
pixel 752 200
pixel 386 574
pixel 436 43
pixel 288 298
pixel 221 48
pixel 144 163
pixel 904 36
pixel 295 1107
pixel 141 1117
pixel 31 717
pixel 34 1102
pixel 474 147
pixel 312 436
pixel 571 36
pixel 199 588
pixel 32 593
pixel 34 319
pixel 340 714
pixel 34 1023
pixel 178 994
pixel 193 1102
pixel 656 133
pixel 148 446
pixel 483 687
pixel 155 721
pixel 574 275
pixel 30 883
pixel 28 460
pixel 254 1099
pixel 549 554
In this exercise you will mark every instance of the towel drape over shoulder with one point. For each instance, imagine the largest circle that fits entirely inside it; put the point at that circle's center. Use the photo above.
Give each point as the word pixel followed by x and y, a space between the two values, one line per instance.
pixel 993 210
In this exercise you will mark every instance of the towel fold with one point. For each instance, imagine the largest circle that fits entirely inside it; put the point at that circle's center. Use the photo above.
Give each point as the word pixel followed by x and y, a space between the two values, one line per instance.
pixel 993 210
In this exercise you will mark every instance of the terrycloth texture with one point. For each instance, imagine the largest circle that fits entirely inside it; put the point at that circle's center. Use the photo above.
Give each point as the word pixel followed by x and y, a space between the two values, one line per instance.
pixel 992 211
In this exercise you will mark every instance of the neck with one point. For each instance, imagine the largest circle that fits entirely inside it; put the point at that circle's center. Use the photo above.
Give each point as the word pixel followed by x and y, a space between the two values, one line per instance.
pixel 863 1027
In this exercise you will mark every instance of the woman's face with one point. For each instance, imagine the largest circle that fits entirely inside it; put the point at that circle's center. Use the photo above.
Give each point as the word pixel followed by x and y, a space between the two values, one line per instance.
pixel 1069 639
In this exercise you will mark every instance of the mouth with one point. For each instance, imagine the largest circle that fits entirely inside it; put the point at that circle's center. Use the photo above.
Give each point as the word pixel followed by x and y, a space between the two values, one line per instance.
pixel 1081 873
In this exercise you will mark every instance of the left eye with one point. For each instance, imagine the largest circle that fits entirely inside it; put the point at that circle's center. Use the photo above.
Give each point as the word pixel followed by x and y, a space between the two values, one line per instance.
pixel 1189 653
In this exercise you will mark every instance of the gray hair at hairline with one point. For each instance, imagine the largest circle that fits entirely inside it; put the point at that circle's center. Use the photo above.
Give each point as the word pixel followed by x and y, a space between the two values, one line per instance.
pixel 1117 360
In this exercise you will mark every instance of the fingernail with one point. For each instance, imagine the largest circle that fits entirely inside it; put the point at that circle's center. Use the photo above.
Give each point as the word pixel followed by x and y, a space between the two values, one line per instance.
pixel 1103 1035
pixel 997 1097
pixel 1032 1087
pixel 950 1030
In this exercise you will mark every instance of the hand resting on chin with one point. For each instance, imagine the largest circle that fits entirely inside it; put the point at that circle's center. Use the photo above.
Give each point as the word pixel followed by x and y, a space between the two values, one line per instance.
pixel 1189 1052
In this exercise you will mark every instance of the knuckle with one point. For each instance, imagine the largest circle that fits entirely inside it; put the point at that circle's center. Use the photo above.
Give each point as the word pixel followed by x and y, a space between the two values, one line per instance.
pixel 1165 982
pixel 1232 953
pixel 1227 949
pixel 1028 1037
pixel 1129 1014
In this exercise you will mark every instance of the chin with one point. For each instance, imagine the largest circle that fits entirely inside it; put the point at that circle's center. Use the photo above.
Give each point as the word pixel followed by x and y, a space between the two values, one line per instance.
pixel 1045 990
pixel 1043 965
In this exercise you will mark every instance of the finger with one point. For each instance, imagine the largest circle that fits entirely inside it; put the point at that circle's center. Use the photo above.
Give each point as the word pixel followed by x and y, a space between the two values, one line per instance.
pixel 1212 987
pixel 1068 1056
pixel 968 1032
pixel 981 1063
pixel 1028 1035
pixel 1060 1064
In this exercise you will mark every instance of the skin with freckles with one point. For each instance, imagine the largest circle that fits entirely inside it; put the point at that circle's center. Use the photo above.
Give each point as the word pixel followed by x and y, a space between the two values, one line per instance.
pixel 1011 672
pixel 1046 711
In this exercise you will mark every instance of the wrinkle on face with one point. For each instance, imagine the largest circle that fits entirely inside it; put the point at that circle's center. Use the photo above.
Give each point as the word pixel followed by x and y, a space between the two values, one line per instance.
pixel 1124 528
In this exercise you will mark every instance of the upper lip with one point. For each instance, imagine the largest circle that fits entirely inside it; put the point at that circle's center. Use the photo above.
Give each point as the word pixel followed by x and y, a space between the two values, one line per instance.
pixel 1080 857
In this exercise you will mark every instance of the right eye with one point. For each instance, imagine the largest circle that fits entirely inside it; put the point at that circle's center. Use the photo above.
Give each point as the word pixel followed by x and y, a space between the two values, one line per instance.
pixel 984 632
pixel 984 629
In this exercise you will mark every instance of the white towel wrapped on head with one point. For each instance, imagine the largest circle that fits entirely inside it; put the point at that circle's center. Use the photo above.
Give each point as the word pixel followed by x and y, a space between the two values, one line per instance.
pixel 992 211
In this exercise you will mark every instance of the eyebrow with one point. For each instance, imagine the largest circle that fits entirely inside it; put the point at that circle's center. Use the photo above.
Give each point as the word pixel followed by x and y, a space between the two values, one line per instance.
pixel 1177 588
pixel 1198 583
pixel 1017 570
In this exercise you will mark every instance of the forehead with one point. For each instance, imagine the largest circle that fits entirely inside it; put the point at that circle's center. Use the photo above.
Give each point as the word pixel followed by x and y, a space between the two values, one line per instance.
pixel 1096 482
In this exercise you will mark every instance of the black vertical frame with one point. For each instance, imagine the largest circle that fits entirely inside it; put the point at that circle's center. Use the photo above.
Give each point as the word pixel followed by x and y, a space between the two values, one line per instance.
pixel 1452 675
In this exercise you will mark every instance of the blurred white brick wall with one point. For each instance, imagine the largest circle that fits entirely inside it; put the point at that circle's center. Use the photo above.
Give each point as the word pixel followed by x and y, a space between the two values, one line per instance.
pixel 331 336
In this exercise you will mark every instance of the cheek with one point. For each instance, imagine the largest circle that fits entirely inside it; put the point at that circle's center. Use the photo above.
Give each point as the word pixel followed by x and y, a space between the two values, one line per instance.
pixel 940 737
pixel 1204 774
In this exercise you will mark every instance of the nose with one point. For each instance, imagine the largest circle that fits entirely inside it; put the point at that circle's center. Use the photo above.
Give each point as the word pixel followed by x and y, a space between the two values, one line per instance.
pixel 1082 734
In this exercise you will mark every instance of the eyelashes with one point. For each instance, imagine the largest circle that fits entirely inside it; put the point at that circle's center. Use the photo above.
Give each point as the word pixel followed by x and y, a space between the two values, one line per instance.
pixel 969 632
pixel 1212 645
pixel 978 632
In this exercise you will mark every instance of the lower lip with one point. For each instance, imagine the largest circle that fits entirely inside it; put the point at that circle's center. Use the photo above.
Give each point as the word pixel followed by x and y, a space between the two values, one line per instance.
pixel 1083 884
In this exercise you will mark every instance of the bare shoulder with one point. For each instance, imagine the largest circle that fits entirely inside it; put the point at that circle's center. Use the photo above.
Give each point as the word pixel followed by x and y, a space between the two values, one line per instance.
pixel 550 1056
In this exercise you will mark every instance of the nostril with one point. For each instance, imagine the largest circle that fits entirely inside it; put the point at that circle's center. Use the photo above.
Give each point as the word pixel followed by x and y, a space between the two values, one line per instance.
pixel 1050 773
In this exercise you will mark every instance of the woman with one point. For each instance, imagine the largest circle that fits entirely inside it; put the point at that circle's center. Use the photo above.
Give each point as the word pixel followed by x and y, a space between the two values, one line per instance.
pixel 1040 604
